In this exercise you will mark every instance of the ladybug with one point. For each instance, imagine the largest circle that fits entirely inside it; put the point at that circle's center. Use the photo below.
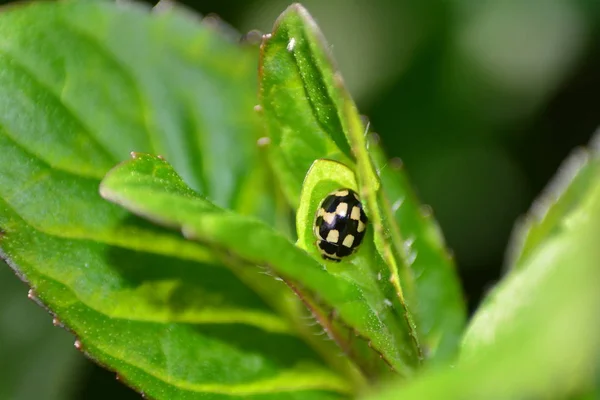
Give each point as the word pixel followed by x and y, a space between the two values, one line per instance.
pixel 340 224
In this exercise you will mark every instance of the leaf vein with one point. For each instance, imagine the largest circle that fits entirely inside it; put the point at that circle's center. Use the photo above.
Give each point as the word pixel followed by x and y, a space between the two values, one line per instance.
pixel 49 90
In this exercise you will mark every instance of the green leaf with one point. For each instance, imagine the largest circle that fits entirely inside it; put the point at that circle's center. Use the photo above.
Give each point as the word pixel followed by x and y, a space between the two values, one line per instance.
pixel 112 298
pixel 82 84
pixel 436 291
pixel 562 195
pixel 538 335
pixel 55 62
pixel 141 186
pixel 31 349
pixel 310 115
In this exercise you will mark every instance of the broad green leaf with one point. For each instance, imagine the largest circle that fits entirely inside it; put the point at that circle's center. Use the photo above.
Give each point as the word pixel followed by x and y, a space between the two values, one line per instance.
pixel 560 197
pixel 310 115
pixel 31 349
pixel 76 56
pixel 549 342
pixel 140 185
pixel 112 298
pixel 82 84
pixel 439 302
pixel 219 357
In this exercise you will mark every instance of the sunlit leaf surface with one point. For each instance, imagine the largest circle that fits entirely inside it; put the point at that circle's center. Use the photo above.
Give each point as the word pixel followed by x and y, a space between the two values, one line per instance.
pixel 82 84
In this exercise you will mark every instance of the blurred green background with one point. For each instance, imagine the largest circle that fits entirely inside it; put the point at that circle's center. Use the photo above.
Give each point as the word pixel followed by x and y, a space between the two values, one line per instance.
pixel 481 100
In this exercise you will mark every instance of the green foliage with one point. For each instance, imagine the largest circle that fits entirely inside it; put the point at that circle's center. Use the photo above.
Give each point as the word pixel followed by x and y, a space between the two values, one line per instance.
pixel 179 268
pixel 537 333
pixel 149 187
pixel 295 94
pixel 141 300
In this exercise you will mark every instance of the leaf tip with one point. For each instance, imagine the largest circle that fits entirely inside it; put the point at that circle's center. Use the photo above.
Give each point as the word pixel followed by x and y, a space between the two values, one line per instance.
pixel 103 190
pixel 296 8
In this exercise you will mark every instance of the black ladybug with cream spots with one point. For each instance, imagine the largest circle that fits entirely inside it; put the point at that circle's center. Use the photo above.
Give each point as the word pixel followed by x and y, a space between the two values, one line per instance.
pixel 340 224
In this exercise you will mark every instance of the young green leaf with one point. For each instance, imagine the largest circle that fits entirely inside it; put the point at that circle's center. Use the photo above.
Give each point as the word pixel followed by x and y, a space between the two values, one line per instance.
pixel 538 335
pixel 310 115
pixel 140 186
pixel 82 84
